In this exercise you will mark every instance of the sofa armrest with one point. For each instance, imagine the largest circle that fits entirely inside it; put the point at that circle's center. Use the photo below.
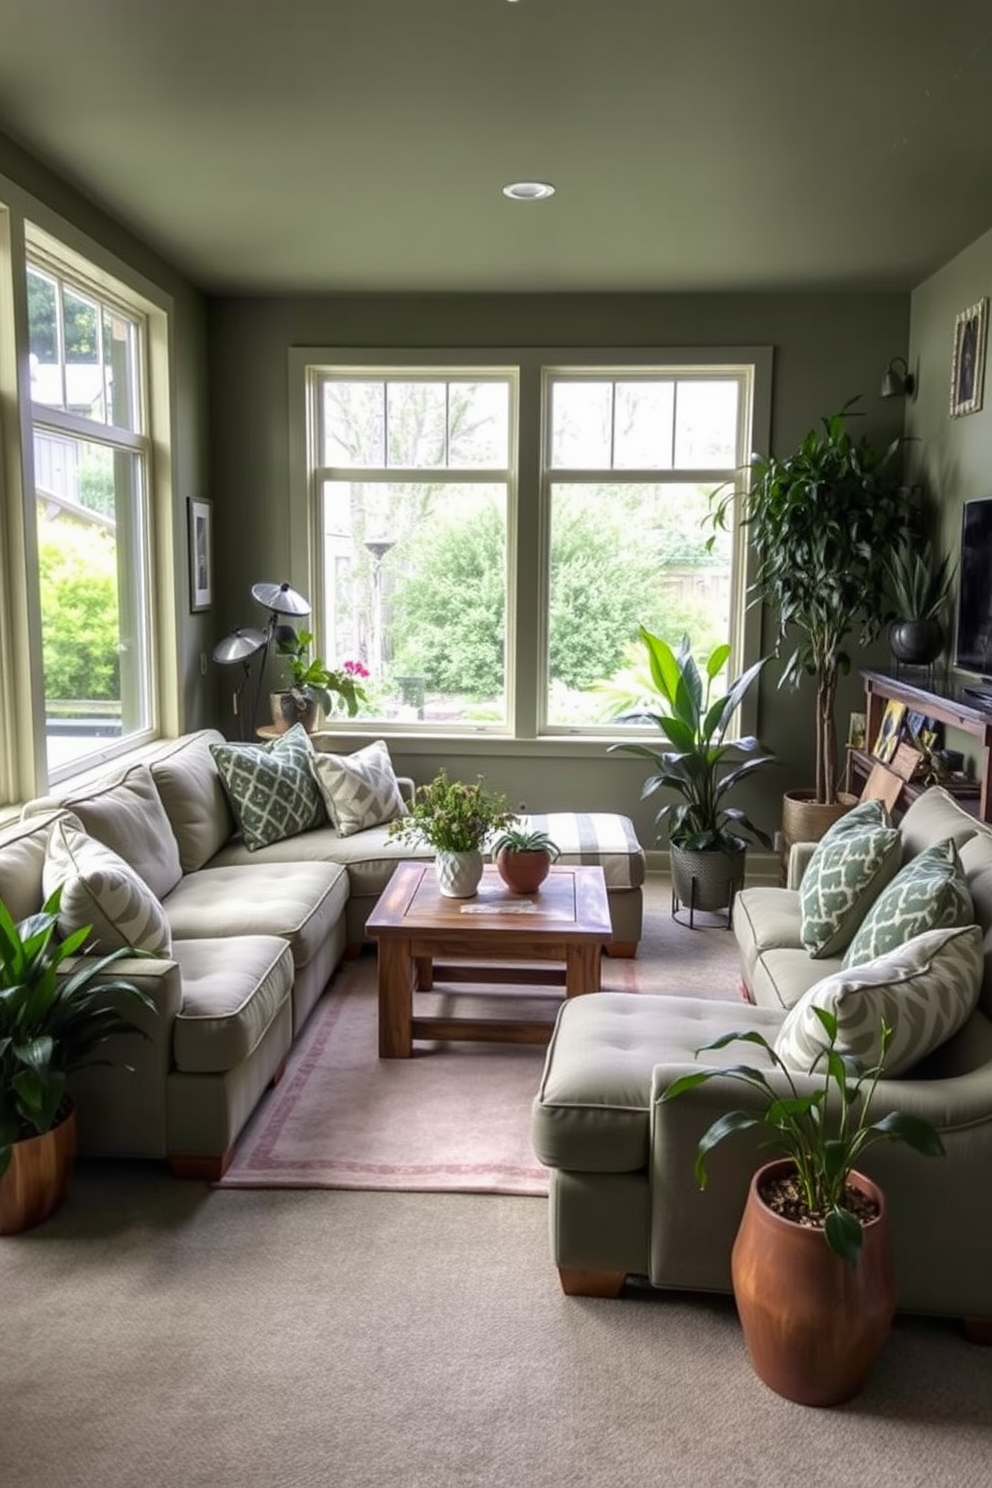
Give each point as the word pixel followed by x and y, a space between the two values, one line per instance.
pixel 121 1103
pixel 799 856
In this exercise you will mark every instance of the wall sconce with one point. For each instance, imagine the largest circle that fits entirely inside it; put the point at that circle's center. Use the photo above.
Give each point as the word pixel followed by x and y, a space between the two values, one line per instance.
pixel 896 384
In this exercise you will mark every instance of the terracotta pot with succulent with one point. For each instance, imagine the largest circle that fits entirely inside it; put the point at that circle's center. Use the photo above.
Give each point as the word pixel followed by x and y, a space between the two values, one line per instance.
pixel 523 857
pixel 457 820
pixel 811 1265
pixel 822 522
pixel 921 581
pixel 54 1016
pixel 707 837
pixel 313 684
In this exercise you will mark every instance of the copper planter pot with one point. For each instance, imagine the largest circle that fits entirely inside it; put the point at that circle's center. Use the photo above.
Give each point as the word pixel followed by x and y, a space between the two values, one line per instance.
pixel 813 1324
pixel 34 1184
pixel 523 872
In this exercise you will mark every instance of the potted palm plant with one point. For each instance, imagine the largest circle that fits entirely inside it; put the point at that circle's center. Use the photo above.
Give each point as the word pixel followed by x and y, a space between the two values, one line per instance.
pixel 811 1265
pixel 822 522
pixel 523 857
pixel 707 836
pixel 53 1018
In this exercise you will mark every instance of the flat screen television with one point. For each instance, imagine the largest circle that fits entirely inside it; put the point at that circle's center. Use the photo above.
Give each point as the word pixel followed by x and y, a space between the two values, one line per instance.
pixel 973 644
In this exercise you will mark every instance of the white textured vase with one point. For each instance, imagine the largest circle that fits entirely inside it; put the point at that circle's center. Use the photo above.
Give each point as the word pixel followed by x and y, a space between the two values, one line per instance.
pixel 458 873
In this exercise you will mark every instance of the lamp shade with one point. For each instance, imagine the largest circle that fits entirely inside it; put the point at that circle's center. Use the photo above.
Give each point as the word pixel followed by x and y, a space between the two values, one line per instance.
pixel 238 646
pixel 281 599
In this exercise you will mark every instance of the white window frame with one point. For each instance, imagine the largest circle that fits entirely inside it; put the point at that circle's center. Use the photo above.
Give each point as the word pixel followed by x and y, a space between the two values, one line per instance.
pixel 529 514
pixel 29 230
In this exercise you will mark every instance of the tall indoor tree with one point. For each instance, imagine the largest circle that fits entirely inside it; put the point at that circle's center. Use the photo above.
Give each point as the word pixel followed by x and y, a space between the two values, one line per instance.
pixel 824 522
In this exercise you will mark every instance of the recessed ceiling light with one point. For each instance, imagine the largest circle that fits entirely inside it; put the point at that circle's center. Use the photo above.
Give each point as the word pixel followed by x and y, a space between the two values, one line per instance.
pixel 528 190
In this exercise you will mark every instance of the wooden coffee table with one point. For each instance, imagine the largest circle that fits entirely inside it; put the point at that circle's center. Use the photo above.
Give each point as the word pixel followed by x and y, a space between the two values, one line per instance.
pixel 566 921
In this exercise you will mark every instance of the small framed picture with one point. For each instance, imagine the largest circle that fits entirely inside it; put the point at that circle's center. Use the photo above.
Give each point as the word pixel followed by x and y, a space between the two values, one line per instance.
pixel 856 730
pixel 968 363
pixel 888 735
pixel 201 554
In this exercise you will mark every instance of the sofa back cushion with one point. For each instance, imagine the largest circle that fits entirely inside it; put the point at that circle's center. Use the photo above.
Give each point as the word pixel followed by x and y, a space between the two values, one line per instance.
pixel 976 860
pixel 23 846
pixel 935 816
pixel 194 798
pixel 127 815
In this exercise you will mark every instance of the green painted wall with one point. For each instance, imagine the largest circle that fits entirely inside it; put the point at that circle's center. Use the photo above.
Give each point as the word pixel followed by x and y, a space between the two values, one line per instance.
pixel 951 456
pixel 826 349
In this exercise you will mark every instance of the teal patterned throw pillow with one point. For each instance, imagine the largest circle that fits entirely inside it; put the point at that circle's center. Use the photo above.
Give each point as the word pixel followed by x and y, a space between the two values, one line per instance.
pixel 930 893
pixel 852 863
pixel 270 786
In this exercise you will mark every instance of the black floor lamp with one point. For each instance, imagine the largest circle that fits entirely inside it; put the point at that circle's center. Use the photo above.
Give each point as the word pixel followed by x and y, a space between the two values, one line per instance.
pixel 245 643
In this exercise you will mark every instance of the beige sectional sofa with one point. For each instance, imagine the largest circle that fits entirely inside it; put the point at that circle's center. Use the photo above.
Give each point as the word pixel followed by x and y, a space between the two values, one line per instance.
pixel 255 938
pixel 252 938
pixel 623 1197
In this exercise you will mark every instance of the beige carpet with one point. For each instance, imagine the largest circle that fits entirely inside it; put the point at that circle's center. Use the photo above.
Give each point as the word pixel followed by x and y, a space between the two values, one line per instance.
pixel 455 1117
pixel 158 1334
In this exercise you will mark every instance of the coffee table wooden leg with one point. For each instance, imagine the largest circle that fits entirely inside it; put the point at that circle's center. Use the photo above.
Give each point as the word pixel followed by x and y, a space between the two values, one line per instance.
pixel 582 967
pixel 395 997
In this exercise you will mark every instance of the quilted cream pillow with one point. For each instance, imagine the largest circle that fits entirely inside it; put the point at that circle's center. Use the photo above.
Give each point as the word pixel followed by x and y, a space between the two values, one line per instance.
pixel 360 790
pixel 101 890
pixel 850 866
pixel 924 990
pixel 929 893
pixel 272 792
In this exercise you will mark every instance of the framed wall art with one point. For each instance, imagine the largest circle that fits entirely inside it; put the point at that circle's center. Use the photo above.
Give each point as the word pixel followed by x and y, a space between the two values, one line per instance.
pixel 968 363
pixel 201 554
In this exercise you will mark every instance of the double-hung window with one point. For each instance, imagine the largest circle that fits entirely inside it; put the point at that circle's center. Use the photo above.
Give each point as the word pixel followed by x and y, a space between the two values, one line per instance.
pixel 91 456
pixel 487 536
pixel 411 519
pixel 632 457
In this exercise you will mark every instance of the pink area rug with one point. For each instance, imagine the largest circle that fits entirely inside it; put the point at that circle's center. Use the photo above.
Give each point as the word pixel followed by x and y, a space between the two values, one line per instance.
pixel 456 1116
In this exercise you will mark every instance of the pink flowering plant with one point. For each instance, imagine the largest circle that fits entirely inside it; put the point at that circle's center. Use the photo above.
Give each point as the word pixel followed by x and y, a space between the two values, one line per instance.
pixel 453 815
pixel 312 680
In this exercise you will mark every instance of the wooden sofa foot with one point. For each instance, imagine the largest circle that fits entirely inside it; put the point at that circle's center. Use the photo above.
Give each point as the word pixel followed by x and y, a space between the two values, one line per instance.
pixel 622 950
pixel 978 1330
pixel 203 1169
pixel 578 1281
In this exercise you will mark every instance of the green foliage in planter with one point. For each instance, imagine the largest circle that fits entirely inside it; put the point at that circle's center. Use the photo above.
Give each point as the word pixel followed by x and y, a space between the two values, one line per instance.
pixel 52 1018
pixel 825 1139
pixel 920 579
pixel 523 839
pixel 823 522
pixel 702 766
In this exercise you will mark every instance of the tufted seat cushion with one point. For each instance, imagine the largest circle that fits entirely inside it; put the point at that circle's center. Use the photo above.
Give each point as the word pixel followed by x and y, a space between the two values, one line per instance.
pixel 298 901
pixel 592 1112
pixel 232 991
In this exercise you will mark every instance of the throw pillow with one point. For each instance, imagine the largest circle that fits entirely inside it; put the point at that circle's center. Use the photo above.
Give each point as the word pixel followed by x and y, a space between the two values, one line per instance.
pixel 929 893
pixel 360 790
pixel 271 790
pixel 849 868
pixel 100 889
pixel 924 990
